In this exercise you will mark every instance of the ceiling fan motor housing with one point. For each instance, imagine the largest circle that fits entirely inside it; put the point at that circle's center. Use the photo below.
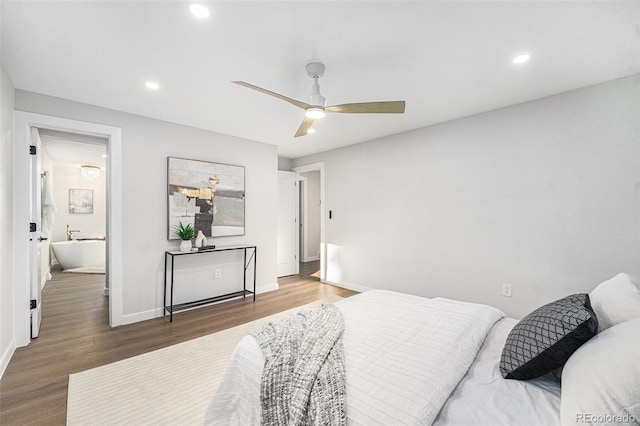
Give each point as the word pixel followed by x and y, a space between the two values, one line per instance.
pixel 316 99
pixel 315 70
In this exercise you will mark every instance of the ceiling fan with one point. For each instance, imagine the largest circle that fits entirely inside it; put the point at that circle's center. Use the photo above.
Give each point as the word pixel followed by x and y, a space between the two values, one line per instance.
pixel 316 108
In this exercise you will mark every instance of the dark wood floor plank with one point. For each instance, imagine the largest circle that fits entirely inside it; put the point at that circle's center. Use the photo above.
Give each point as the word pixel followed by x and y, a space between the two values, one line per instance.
pixel 75 336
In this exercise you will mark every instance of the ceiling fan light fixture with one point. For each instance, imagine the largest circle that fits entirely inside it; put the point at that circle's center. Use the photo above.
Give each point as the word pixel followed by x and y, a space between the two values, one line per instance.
pixel 311 131
pixel 314 113
pixel 90 172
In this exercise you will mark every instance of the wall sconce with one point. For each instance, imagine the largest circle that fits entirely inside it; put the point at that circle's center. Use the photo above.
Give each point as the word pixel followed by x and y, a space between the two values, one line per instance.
pixel 90 172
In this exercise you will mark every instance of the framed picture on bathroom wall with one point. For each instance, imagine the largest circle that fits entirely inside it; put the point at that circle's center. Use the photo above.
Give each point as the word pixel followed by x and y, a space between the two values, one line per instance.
pixel 81 201
pixel 208 196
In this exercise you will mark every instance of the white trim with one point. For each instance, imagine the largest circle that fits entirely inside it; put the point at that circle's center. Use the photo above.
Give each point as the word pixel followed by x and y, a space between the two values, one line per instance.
pixel 142 316
pixel 296 237
pixel 6 356
pixel 21 193
pixel 311 258
pixel 323 247
pixel 23 121
pixel 302 206
pixel 267 288
pixel 157 312
pixel 350 286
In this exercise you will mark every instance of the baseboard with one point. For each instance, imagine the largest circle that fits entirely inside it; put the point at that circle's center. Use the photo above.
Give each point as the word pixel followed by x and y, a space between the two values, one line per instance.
pixel 141 316
pixel 6 356
pixel 267 288
pixel 156 313
pixel 311 259
pixel 350 286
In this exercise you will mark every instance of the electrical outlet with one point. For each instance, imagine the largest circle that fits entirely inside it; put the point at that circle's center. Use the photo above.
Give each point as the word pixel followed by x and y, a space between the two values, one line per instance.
pixel 217 273
pixel 506 290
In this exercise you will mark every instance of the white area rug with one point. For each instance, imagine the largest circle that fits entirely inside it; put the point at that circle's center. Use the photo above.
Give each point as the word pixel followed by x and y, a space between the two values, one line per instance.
pixel 94 269
pixel 170 386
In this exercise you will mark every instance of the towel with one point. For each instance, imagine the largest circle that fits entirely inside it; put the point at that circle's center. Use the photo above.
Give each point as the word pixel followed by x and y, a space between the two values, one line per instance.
pixel 48 205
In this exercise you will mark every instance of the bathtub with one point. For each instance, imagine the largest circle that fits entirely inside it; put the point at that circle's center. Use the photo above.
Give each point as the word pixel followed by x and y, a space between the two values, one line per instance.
pixel 75 254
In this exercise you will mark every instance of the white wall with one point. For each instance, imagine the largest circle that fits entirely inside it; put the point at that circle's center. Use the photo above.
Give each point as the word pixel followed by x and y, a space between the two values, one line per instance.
pixel 543 195
pixel 67 177
pixel 146 144
pixel 7 341
pixel 312 216
pixel 284 164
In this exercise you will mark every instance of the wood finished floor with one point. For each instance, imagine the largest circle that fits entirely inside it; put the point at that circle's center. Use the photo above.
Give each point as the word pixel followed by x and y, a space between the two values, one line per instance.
pixel 75 336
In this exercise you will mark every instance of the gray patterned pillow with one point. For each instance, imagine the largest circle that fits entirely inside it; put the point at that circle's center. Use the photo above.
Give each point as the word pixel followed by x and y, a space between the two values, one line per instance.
pixel 544 339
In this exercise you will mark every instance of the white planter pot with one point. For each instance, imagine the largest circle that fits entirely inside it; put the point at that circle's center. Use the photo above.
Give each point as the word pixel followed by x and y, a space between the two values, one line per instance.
pixel 185 246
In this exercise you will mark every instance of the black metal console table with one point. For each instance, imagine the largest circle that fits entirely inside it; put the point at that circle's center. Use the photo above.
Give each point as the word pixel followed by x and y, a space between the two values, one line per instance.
pixel 171 308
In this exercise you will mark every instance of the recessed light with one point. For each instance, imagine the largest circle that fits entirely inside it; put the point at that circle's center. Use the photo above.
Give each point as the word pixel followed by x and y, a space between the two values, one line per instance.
pixel 199 10
pixel 151 85
pixel 311 131
pixel 521 59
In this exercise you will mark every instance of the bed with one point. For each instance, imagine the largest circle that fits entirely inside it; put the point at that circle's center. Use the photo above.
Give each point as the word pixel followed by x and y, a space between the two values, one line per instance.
pixel 413 360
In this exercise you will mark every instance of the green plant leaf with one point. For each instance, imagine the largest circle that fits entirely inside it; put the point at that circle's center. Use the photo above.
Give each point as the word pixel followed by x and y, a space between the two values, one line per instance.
pixel 184 232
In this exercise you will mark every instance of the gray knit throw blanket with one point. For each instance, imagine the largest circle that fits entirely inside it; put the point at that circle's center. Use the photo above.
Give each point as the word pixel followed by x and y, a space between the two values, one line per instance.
pixel 303 381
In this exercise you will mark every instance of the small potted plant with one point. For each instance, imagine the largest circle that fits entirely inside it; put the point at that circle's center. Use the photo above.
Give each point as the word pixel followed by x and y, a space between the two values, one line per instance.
pixel 185 233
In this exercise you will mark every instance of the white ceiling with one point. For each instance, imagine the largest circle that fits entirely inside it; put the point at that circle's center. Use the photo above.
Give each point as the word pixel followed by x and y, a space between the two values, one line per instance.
pixel 70 149
pixel 447 59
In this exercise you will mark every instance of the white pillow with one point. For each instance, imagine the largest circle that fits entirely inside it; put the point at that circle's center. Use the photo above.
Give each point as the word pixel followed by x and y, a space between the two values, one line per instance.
pixel 601 380
pixel 615 301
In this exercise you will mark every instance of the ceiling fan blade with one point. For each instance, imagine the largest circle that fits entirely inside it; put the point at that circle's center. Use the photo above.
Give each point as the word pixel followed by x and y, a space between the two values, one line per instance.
pixel 304 127
pixel 299 104
pixel 389 107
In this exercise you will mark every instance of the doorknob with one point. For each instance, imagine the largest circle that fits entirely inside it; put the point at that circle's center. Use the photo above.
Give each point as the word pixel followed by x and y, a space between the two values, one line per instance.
pixel 42 238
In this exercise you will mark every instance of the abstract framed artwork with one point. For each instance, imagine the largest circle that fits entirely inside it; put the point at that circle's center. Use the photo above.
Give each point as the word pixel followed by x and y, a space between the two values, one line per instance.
pixel 208 196
pixel 81 201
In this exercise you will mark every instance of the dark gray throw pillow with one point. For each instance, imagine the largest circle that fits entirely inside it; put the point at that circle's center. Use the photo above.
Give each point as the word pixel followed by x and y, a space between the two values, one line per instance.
pixel 546 338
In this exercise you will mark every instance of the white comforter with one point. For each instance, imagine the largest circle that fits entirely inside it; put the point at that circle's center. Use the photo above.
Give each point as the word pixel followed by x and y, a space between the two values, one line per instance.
pixel 404 356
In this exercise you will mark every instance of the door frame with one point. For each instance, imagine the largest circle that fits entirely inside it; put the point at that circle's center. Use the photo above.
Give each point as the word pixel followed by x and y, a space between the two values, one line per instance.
pixel 323 246
pixel 302 216
pixel 23 122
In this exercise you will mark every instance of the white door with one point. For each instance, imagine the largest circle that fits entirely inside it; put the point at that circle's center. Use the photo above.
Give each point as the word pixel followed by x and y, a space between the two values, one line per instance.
pixel 287 224
pixel 34 235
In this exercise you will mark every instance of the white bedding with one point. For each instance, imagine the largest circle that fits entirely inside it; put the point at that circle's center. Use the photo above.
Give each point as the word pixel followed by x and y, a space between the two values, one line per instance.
pixel 404 356
pixel 484 398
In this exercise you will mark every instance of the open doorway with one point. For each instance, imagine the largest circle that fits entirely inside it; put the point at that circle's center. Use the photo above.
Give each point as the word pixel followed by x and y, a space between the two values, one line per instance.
pixel 26 290
pixel 312 215
pixel 74 166
pixel 310 203
pixel 72 191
